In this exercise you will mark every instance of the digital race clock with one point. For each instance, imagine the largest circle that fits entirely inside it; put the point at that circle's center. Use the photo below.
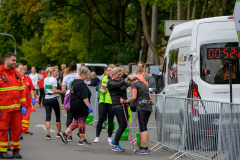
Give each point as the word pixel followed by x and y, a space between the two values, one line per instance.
pixel 223 53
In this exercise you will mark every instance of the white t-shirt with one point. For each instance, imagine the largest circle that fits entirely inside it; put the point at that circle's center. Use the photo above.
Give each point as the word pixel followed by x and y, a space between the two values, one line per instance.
pixel 34 79
pixel 50 82
pixel 68 79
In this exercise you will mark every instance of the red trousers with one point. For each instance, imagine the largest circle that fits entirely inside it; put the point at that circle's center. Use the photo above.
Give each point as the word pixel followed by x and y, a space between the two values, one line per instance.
pixel 14 119
pixel 26 120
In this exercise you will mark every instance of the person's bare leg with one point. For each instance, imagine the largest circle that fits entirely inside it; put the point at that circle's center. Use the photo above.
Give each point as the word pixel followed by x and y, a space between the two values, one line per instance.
pixel 144 139
pixel 70 134
pixel 58 125
pixel 47 125
pixel 82 138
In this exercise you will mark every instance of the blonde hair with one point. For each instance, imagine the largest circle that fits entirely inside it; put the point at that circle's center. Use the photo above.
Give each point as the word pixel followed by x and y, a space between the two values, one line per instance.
pixel 140 62
pixel 84 70
pixel 115 70
pixel 50 70
pixel 111 66
pixel 133 75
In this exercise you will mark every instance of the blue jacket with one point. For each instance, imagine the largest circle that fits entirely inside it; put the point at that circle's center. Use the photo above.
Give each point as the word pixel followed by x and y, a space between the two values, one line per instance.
pixel 94 81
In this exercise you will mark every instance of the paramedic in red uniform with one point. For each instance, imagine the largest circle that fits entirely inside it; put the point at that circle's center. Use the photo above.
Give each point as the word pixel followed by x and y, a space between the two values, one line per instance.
pixel 28 87
pixel 12 106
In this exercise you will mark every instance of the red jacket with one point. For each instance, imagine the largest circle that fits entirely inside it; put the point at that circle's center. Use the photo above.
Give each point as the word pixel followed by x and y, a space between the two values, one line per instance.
pixel 40 84
pixel 28 87
pixel 12 94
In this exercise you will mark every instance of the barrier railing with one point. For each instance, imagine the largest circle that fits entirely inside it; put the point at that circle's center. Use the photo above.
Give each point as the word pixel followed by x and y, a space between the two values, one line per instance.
pixel 192 127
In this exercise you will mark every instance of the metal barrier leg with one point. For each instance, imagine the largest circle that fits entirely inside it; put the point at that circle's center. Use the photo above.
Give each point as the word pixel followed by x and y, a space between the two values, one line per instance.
pixel 158 148
pixel 154 146
pixel 175 154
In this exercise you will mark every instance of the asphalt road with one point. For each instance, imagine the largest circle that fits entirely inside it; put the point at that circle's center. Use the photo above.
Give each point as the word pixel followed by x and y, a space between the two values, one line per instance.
pixel 35 147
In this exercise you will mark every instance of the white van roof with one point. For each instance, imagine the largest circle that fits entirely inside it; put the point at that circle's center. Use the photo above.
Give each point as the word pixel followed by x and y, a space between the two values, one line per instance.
pixel 185 29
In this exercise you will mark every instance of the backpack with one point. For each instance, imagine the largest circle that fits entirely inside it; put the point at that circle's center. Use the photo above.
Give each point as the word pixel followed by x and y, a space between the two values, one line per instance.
pixel 67 104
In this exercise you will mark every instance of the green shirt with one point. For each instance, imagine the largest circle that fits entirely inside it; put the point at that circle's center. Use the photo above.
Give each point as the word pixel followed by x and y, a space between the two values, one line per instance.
pixel 105 97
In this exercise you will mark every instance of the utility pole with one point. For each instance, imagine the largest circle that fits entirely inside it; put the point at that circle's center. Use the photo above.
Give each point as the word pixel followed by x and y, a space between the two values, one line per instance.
pixel 9 35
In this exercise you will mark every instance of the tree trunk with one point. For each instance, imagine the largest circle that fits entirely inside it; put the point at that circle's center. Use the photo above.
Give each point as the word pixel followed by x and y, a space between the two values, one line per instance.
pixel 204 8
pixel 146 34
pixel 154 30
pixel 194 9
pixel 224 8
pixel 189 11
pixel 117 21
pixel 217 8
pixel 144 50
pixel 89 38
pixel 171 13
pixel 179 10
pixel 209 9
pixel 122 23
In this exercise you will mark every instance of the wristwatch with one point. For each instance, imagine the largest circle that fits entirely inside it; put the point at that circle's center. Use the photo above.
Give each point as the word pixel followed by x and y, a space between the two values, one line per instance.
pixel 128 78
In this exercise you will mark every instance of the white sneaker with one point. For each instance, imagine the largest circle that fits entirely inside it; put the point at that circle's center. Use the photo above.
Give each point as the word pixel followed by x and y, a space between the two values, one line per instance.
pixel 96 140
pixel 109 139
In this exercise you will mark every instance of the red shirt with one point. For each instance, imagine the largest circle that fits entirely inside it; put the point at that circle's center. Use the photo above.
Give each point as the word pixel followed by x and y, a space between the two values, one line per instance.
pixel 28 87
pixel 40 84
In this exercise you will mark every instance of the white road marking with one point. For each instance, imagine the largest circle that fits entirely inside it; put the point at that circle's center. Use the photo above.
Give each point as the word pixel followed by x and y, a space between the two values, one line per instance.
pixel 43 126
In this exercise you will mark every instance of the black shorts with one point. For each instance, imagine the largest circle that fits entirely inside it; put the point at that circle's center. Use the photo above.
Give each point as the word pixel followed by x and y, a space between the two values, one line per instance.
pixel 36 89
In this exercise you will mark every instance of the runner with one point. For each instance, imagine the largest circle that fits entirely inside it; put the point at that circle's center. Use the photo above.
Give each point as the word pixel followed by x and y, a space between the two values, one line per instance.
pixel 52 100
pixel 66 83
pixel 117 89
pixel 80 106
pixel 28 87
pixel 35 79
pixel 105 107
pixel 143 97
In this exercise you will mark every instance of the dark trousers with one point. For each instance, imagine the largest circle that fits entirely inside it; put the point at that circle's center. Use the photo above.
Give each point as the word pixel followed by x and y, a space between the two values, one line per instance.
pixel 69 118
pixel 62 98
pixel 122 123
pixel 104 110
pixel 42 96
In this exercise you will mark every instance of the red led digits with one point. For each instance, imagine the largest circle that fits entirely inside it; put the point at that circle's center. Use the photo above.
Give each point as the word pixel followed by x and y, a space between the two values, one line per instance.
pixel 223 53
pixel 233 52
pixel 226 54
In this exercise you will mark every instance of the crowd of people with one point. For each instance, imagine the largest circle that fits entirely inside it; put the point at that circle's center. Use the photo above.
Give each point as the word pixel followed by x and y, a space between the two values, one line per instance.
pixel 19 88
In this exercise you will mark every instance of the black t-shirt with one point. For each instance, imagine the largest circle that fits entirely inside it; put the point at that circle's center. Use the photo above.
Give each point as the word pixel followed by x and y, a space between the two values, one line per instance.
pixel 79 92
pixel 142 93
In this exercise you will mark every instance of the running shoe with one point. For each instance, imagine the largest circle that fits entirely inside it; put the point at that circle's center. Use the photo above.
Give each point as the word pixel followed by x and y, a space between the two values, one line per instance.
pixel 33 109
pixel 21 137
pixel 109 139
pixel 142 151
pixel 96 140
pixel 70 139
pixel 64 137
pixel 48 137
pixel 62 104
pixel 27 133
pixel 117 148
pixel 137 150
pixel 84 143
pixel 112 143
pixel 58 135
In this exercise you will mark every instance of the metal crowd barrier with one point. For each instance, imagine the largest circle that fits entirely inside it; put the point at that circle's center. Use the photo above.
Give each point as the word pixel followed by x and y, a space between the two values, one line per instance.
pixel 190 127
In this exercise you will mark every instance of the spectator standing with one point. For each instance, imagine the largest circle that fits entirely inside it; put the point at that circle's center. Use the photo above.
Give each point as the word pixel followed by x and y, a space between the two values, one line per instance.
pixel 41 87
pixel 141 94
pixel 117 89
pixel 28 87
pixel 35 77
pixel 123 72
pixel 94 79
pixel 66 84
pixel 61 76
pixel 13 103
pixel 105 107
pixel 26 70
pixel 80 106
pixel 140 73
pixel 147 73
pixel 160 72
pixel 52 100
